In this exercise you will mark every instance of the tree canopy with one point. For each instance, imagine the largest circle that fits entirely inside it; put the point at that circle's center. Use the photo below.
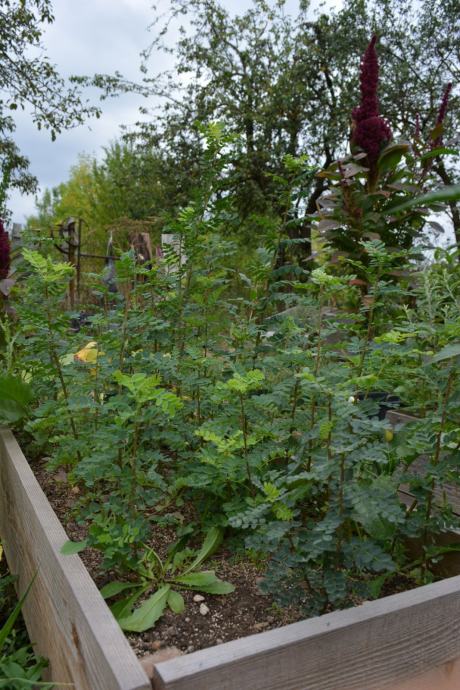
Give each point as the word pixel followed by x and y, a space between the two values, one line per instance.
pixel 288 83
pixel 29 81
pixel 282 86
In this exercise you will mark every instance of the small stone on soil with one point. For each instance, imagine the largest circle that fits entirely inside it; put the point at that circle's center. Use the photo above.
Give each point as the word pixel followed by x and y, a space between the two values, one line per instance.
pixel 198 598
pixel 61 476
pixel 204 610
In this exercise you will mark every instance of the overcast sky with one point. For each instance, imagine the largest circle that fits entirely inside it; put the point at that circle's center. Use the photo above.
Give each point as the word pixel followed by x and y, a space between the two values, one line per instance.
pixel 87 36
pixel 91 36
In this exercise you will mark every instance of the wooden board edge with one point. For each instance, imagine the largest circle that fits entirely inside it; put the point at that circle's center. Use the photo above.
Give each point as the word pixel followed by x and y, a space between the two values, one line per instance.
pixel 300 644
pixel 396 417
pixel 113 650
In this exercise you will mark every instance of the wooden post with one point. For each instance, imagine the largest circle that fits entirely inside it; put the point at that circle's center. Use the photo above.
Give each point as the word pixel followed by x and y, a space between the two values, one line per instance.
pixel 71 243
pixel 79 234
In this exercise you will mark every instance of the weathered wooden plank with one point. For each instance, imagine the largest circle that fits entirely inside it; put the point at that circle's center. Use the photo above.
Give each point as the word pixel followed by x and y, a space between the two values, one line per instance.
pixel 398 417
pixel 67 619
pixel 445 677
pixel 370 646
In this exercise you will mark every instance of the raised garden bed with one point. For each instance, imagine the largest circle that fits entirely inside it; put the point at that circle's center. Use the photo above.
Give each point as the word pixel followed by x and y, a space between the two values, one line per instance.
pixel 66 617
pixel 413 635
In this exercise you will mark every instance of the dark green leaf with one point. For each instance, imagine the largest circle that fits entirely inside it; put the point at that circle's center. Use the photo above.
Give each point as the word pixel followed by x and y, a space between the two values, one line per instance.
pixel 176 602
pixel 15 396
pixel 440 151
pixel 11 620
pixel 113 588
pixel 148 612
pixel 122 608
pixel 447 352
pixel 391 156
pixel 206 581
pixel 210 544
pixel 451 193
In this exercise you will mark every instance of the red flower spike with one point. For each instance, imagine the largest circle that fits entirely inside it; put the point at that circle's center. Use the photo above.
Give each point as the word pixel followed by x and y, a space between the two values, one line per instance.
pixel 442 112
pixel 4 252
pixel 369 79
pixel 371 131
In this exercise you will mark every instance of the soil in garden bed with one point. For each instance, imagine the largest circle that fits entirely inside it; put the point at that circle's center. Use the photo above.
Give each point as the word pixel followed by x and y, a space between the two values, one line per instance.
pixel 244 612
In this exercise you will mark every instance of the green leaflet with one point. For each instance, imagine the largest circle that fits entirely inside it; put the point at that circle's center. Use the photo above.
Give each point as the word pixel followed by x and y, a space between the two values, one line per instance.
pixel 70 548
pixel 113 588
pixel 176 602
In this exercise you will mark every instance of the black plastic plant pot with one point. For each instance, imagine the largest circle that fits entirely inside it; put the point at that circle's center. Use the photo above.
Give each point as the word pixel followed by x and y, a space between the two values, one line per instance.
pixel 379 402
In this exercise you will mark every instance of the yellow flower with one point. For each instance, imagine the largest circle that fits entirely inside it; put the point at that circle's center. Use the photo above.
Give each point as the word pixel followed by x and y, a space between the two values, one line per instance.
pixel 389 435
pixel 88 354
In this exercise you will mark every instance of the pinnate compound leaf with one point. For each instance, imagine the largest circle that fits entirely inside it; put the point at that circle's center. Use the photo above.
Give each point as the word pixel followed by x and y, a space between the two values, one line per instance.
pixel 335 584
